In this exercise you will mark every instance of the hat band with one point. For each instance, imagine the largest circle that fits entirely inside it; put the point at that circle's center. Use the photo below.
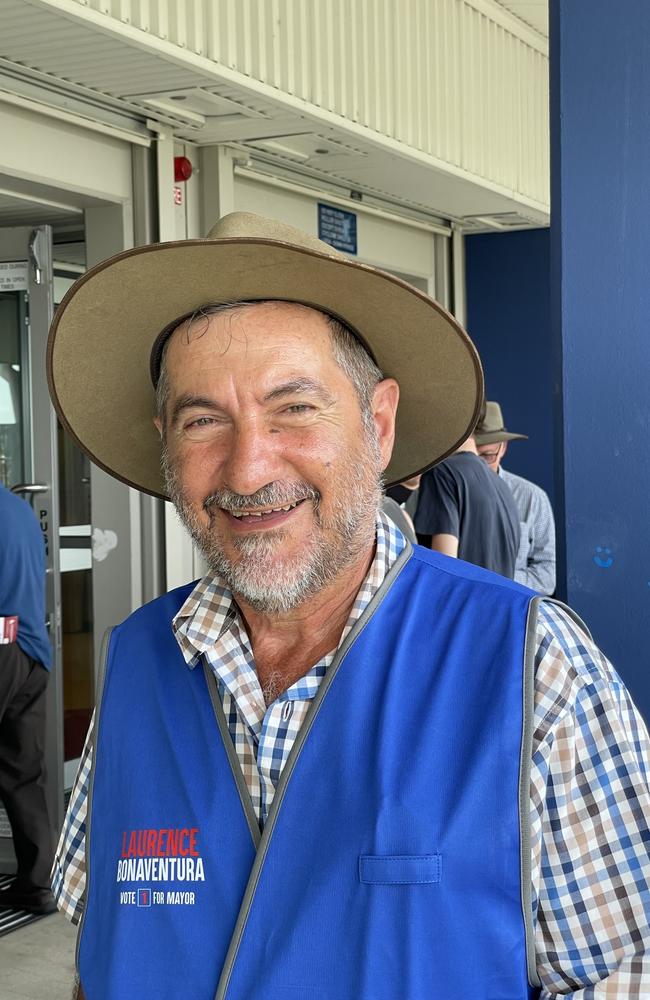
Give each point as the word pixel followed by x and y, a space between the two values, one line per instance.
pixel 491 430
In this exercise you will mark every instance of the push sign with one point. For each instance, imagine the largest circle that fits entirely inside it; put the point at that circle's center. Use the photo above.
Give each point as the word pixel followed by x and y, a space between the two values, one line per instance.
pixel 337 227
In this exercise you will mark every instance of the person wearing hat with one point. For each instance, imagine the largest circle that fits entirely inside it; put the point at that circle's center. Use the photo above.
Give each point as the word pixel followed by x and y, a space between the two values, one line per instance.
pixel 535 566
pixel 339 765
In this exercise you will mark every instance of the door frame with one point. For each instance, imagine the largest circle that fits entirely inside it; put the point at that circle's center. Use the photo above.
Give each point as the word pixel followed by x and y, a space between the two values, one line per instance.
pixel 33 245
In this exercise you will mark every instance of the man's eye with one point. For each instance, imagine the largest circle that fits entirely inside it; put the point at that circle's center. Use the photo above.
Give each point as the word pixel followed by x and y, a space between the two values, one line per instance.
pixel 200 422
pixel 298 408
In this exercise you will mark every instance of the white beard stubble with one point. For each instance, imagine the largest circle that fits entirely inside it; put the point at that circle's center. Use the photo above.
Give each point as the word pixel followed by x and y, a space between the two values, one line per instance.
pixel 266 581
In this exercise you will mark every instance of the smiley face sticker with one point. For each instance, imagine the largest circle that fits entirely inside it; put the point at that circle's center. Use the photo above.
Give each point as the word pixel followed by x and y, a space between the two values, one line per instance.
pixel 603 557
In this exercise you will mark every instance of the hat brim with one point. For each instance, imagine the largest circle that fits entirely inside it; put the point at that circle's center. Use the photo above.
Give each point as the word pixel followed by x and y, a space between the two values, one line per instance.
pixel 492 437
pixel 104 329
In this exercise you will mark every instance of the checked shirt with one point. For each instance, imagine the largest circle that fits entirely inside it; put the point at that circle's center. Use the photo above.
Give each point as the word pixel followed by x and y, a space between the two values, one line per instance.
pixel 535 566
pixel 589 792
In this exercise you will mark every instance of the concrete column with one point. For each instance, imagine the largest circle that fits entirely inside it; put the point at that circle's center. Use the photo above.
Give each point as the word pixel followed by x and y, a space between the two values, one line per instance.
pixel 458 276
pixel 152 511
pixel 600 246
pixel 217 184
pixel 117 578
pixel 183 562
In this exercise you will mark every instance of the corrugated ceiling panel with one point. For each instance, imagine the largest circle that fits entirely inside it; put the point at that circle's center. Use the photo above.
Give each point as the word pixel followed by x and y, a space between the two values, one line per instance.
pixel 74 51
pixel 461 80
pixel 531 12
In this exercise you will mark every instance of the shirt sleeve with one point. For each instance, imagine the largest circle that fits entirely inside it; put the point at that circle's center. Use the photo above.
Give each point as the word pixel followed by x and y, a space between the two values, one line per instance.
pixel 590 813
pixel 438 509
pixel 539 571
pixel 69 869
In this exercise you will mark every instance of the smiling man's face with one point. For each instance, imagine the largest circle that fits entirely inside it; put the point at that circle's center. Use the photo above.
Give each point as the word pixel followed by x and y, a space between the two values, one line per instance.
pixel 268 458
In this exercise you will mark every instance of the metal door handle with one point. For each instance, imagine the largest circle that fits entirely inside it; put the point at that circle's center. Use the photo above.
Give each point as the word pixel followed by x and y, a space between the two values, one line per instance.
pixel 34 250
pixel 30 488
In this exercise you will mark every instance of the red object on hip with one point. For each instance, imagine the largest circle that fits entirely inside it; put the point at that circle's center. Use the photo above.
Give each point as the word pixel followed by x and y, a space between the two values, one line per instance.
pixel 8 629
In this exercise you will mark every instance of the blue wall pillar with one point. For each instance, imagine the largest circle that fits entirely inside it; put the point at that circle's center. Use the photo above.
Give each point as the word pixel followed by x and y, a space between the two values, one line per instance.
pixel 508 318
pixel 600 289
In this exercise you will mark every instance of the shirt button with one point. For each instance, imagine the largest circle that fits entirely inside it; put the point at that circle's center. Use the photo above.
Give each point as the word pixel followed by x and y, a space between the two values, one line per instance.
pixel 286 711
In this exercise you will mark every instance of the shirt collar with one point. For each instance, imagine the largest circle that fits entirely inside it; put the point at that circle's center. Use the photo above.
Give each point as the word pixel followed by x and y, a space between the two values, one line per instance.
pixel 210 609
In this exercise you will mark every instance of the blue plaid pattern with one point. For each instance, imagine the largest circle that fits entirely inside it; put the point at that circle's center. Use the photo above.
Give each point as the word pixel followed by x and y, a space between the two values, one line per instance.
pixel 69 869
pixel 590 822
pixel 589 793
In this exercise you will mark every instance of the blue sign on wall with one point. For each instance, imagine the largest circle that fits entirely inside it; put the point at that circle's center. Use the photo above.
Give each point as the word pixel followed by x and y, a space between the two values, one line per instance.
pixel 337 227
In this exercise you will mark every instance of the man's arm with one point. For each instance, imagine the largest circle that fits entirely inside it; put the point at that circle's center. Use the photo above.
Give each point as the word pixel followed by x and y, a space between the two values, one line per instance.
pixel 69 868
pixel 438 510
pixel 590 822
pixel 447 544
pixel 539 573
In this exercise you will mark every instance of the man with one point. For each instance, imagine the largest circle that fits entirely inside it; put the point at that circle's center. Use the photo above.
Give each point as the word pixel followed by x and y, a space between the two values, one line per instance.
pixel 466 513
pixel 536 556
pixel 339 766
pixel 24 666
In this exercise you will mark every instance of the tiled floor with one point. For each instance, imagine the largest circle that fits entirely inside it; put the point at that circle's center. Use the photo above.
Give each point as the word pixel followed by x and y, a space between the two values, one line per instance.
pixel 37 962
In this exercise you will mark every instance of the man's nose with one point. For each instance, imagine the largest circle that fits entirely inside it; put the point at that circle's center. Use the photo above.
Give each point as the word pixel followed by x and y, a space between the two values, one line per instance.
pixel 253 458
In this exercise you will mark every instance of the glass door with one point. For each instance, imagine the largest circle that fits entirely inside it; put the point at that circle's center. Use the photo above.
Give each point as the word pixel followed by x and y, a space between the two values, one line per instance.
pixel 28 451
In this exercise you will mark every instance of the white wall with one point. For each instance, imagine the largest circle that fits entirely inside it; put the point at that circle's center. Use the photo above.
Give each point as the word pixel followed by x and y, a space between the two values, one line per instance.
pixel 382 242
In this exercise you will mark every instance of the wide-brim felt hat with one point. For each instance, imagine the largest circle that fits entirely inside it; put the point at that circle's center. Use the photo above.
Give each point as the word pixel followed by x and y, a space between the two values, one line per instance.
pixel 491 428
pixel 103 333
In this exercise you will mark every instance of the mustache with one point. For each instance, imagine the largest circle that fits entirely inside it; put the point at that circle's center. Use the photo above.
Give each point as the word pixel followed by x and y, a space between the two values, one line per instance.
pixel 274 494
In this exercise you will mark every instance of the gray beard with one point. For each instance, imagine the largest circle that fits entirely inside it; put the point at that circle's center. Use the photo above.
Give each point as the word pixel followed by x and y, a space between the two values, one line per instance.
pixel 268 584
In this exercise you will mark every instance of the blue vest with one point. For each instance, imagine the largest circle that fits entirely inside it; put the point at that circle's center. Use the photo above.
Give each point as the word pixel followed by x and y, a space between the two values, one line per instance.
pixel 390 865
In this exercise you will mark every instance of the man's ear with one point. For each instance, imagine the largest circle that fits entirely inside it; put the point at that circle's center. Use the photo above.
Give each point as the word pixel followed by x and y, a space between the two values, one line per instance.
pixel 159 426
pixel 384 411
pixel 505 448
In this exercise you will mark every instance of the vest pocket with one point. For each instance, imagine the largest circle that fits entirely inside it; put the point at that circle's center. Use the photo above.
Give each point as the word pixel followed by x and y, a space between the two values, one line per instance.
pixel 400 869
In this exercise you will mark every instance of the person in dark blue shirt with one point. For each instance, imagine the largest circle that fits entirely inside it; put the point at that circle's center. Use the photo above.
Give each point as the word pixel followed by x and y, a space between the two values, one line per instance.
pixel 464 513
pixel 24 672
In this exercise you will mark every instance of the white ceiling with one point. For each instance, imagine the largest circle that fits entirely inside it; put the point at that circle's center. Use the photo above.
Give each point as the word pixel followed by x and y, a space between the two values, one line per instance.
pixel 534 13
pixel 61 52
pixel 24 203
pixel 16 211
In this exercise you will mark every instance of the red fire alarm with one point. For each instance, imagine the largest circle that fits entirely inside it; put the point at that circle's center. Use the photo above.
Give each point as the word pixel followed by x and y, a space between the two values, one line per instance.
pixel 182 168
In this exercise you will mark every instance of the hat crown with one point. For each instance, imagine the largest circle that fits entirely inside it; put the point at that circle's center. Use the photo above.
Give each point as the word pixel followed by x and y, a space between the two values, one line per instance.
pixel 248 225
pixel 491 428
pixel 492 420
